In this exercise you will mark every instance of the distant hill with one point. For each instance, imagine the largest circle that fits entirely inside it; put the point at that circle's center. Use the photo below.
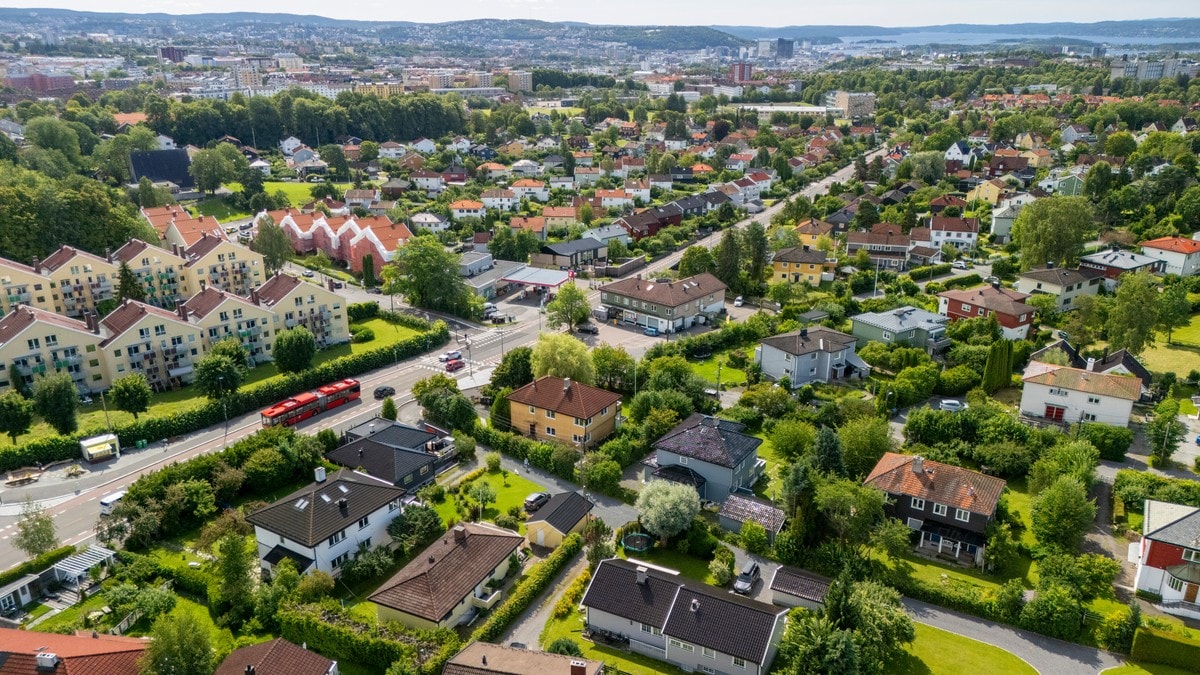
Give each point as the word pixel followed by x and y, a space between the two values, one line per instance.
pixel 1183 29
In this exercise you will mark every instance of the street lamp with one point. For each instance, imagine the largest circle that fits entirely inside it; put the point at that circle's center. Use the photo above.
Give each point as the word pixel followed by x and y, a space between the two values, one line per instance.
pixel 225 410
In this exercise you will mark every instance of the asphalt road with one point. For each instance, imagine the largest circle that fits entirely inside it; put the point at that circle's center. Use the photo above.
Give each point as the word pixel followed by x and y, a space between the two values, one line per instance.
pixel 71 501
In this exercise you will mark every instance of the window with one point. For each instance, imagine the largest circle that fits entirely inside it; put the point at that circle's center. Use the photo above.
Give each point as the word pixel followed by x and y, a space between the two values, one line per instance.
pixel 918 504
pixel 604 411
pixel 143 333
pixel 35 343
pixel 682 645
pixel 962 514
pixel 551 431
pixel 1191 555
pixel 549 414
pixel 646 628
pixel 1175 584
pixel 740 663
pixel 341 560
pixel 393 505
pixel 939 509
pixel 580 422
pixel 532 410
pixel 887 335
pixel 708 652
pixel 966 307
pixel 224 316
pixel 1094 400
pixel 683 460
pixel 160 329
pixel 706 669
pixel 363 522
pixel 1089 417
pixel 337 538
pixel 51 340
pixel 408 479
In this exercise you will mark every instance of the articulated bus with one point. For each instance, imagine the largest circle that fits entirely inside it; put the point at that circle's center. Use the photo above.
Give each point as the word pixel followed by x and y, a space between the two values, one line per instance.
pixel 303 406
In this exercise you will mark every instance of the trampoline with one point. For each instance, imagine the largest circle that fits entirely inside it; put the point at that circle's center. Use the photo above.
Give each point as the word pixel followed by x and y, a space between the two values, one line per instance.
pixel 637 542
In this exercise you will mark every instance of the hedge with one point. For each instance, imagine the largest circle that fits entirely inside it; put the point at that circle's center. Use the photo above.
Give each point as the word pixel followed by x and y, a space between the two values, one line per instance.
pixel 245 400
pixel 573 595
pixel 523 595
pixel 187 581
pixel 966 599
pixel 965 281
pixel 1135 487
pixel 1112 442
pixel 539 453
pixel 1169 649
pixel 327 630
pixel 929 271
pixel 35 566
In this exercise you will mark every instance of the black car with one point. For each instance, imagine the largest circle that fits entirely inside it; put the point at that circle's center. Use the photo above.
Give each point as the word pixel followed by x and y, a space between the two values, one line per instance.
pixel 375 290
pixel 536 501
pixel 590 328
pixel 384 392
pixel 746 580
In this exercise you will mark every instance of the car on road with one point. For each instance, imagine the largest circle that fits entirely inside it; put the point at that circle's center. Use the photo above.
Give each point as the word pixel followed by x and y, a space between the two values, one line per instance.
pixel 384 392
pixel 959 264
pixel 308 274
pixel 651 331
pixel 457 364
pixel 739 301
pixel 450 356
pixel 338 284
pixel 745 581
pixel 589 328
pixel 951 405
pixel 536 501
pixel 375 290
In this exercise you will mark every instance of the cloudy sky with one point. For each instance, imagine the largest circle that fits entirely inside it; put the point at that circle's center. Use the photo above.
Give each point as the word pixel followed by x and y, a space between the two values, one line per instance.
pixel 674 12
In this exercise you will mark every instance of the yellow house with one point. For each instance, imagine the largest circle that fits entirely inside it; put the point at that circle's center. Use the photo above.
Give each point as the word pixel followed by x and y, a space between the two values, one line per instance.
pixel 556 409
pixel 219 315
pixel 82 280
pixel 565 513
pixel 989 191
pixel 298 303
pixel 801 263
pixel 1040 158
pixel 216 262
pixel 158 343
pixel 161 272
pixel 23 285
pixel 34 342
pixel 812 229
pixel 449 578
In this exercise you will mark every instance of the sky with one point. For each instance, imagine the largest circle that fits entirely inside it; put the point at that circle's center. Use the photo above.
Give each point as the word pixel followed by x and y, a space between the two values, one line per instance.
pixel 671 12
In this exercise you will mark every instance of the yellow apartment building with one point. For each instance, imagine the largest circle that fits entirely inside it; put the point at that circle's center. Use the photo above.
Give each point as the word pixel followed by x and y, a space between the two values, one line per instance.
pixel 557 409
pixel 34 342
pixel 220 315
pixel 22 285
pixel 161 272
pixel 295 302
pixel 151 340
pixel 78 280
pixel 216 262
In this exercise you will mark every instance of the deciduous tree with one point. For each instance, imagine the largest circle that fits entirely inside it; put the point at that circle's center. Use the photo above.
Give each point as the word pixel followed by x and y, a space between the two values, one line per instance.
pixel 35 529
pixel 56 400
pixel 272 243
pixel 562 355
pixel 695 260
pixel 294 349
pixel 1062 513
pixel 1134 314
pixel 1053 230
pixel 179 645
pixel 569 306
pixel 16 414
pixel 427 275
pixel 217 376
pixel 665 509
pixel 1174 309
pixel 132 394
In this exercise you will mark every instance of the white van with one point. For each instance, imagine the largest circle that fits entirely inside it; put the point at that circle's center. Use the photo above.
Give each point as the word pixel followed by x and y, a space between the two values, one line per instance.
pixel 110 501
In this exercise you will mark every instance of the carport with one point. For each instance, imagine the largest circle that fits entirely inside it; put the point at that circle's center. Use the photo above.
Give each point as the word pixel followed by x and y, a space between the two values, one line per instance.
pixel 74 569
pixel 535 276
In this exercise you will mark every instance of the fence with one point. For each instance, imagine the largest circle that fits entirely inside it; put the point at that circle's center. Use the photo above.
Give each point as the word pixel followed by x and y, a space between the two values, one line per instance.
pixel 134 616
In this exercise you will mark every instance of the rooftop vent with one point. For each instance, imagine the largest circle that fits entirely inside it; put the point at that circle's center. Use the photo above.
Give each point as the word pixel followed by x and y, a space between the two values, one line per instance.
pixel 320 474
pixel 47 660
pixel 695 605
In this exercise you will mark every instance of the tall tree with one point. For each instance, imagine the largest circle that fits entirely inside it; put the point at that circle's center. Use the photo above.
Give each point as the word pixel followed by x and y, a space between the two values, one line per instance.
pixel 132 394
pixel 1134 314
pixel 614 367
pixel 235 595
pixel 388 410
pixel 729 258
pixel 515 369
pixel 1062 513
pixel 569 306
pixel 35 529
pixel 16 414
pixel 665 509
pixel 828 452
pixel 756 249
pixel 56 400
pixel 1165 432
pixel 427 275
pixel 562 355
pixel 272 243
pixel 1174 309
pixel 129 286
pixel 294 349
pixel 1053 230
pixel 696 259
pixel 997 371
pixel 179 645
pixel 864 442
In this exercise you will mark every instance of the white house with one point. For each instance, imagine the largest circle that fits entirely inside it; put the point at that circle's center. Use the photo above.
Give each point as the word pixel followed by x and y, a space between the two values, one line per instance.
pixel 1063 283
pixel 165 142
pixel 960 152
pixel 500 199
pixel 460 144
pixel 429 181
pixel 322 525
pixel 391 150
pixel 809 355
pixel 1069 395
pixel 424 146
pixel 1169 557
pixel 430 221
pixel 526 167
pixel 528 188
pixel 289 145
pixel 1179 256
pixel 961 233
pixel 466 208
pixel 262 166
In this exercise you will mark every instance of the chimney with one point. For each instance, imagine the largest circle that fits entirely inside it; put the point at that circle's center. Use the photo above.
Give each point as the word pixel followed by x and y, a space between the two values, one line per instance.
pixel 918 464
pixel 460 534
pixel 320 474
pixel 641 575
pixel 203 284
pixel 108 254
pixel 485 659
pixel 806 247
pixel 695 605
pixel 803 332
pixel 995 285
pixel 343 505
pixel 249 670
pixel 329 283
pixel 1091 364
pixel 37 265
pixel 1049 264
pixel 566 384
pixel 578 668
pixel 175 250
pixel 254 295
pixel 96 323
pixel 1105 359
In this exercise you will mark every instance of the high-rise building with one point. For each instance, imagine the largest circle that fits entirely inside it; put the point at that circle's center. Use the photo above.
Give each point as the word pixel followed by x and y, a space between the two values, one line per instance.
pixel 765 45
pixel 741 72
pixel 852 104
pixel 172 53
pixel 520 80
pixel 440 80
pixel 785 48
pixel 1154 70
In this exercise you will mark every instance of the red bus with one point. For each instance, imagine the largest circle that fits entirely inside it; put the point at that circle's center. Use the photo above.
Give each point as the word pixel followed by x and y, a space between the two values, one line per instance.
pixel 303 406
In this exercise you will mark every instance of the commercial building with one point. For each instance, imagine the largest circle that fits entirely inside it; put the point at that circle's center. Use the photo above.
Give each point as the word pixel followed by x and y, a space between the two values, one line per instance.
pixel 852 104
pixel 520 80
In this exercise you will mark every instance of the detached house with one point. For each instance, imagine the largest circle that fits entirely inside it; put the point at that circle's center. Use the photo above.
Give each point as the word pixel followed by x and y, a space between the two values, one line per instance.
pixel 713 455
pixel 1070 395
pixel 1169 557
pixel 802 264
pixel 566 513
pixel 557 409
pixel 276 657
pixel 482 658
pixel 694 626
pixel 1115 262
pixel 1179 256
pixel 1064 284
pixel 905 325
pixel 961 233
pixel 949 506
pixel 1014 316
pixel 809 355
pixel 466 208
pixel 322 525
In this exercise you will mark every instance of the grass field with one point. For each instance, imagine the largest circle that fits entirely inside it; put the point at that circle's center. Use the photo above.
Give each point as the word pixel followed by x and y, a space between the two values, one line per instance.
pixel 938 652
pixel 687 565
pixel 220 208
pixel 730 376
pixel 510 492
pixel 1145 669
pixel 297 193
pixel 772 487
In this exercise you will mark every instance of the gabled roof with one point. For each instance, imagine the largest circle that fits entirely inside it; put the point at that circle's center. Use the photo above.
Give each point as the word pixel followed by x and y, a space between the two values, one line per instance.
pixel 77 655
pixel 129 313
pixel 275 657
pixel 746 509
pixel 1126 260
pixel 1000 300
pixel 808 340
pixel 203 303
pixel 576 246
pixel 379 460
pixel 800 584
pixel 66 254
pixel 801 254
pixel 132 252
pixel 206 244
pixel 24 316
pixel 482 658
pixel 277 288
pixel 953 486
pixel 668 294
pixel 1174 245
pixel 564 396
pixel 709 439
pixel 439 577
pixel 1062 276
pixel 1169 523
pixel 563 511
pixel 311 514
pixel 1103 384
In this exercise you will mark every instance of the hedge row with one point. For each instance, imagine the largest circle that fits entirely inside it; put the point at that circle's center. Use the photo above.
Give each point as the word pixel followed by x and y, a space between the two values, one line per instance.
pixel 35 566
pixel 929 271
pixel 539 578
pixel 964 599
pixel 1169 649
pixel 965 281
pixel 326 631
pixel 574 594
pixel 247 399
pixel 187 581
pixel 1135 487
pixel 539 453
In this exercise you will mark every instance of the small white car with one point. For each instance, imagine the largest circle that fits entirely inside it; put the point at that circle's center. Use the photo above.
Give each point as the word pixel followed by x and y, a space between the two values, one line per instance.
pixel 950 405
pixel 959 265
pixel 739 301
pixel 450 356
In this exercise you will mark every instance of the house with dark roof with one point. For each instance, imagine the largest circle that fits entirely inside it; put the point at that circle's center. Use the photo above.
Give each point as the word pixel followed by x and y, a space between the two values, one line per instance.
pixel 564 514
pixel 1008 306
pixel 741 509
pixel 447 583
pixel 276 657
pixel 28 652
pixel 409 469
pixel 1169 557
pixel 557 409
pixel 949 506
pixel 791 587
pixel 1066 395
pixel 668 306
pixel 802 263
pixel 482 658
pixel 322 525
pixel 807 355
pixel 162 165
pixel 576 253
pixel 1063 283
pixel 420 438
pixel 694 626
pixel 713 455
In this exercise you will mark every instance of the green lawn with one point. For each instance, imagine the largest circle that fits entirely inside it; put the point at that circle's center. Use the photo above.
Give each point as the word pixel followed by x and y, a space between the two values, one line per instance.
pixel 626 662
pixel 772 487
pixel 222 638
pixel 298 193
pixel 730 376
pixel 1179 359
pixel 1020 504
pixel 687 565
pixel 1145 669
pixel 939 652
pixel 220 208
pixel 510 492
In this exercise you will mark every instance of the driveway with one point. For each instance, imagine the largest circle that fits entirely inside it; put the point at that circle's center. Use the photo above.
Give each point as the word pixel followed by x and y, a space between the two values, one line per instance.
pixel 766 566
pixel 527 629
pixel 613 512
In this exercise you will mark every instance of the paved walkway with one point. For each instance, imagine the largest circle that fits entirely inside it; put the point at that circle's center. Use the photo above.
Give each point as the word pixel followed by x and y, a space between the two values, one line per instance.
pixel 1046 655
pixel 527 629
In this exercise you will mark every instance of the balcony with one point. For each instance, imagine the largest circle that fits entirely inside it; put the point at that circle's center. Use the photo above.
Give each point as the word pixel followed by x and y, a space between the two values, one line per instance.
pixel 937 343
pixel 35 369
pixel 19 297
pixel 482 600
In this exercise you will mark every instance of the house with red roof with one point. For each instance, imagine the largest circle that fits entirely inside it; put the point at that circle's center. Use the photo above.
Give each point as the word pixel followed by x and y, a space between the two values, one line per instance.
pixel 1008 306
pixel 1179 256
pixel 27 652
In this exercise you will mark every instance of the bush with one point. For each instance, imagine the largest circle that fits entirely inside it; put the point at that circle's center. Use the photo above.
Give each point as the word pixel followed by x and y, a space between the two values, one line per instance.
pixel 1135 487
pixel 754 538
pixel 492 459
pixel 1117 630
pixel 700 540
pixel 362 311
pixel 329 630
pixel 1112 442
pixel 1054 611
pixel 571 597
pixel 539 453
pixel 361 334
pixel 965 281
pixel 1157 646
pixel 535 581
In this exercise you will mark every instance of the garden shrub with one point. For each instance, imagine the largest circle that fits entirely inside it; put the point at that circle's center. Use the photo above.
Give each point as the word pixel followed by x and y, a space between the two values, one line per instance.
pixel 361 334
pixel 1112 442
pixel 331 631
pixel 571 597
pixel 522 596
pixel 1152 645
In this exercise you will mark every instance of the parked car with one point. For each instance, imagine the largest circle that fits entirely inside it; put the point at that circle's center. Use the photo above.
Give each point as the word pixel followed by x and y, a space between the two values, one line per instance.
pixel 1063 335
pixel 384 392
pixel 457 364
pixel 959 264
pixel 375 290
pixel 589 328
pixel 308 274
pixel 536 501
pixel 450 356
pixel 338 284
pixel 745 581
pixel 651 330
pixel 951 405
pixel 739 301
